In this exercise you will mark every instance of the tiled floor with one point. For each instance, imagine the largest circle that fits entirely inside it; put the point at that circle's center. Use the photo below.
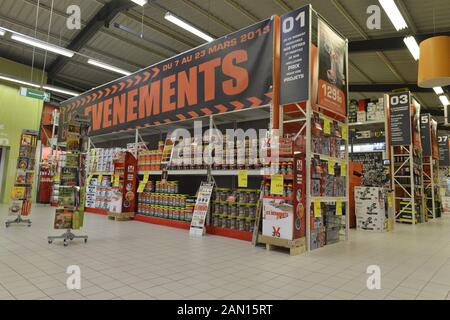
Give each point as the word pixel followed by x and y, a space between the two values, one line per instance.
pixel 133 260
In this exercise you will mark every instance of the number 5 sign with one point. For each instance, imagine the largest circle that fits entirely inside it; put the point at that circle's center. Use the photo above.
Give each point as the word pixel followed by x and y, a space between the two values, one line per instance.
pixel 294 56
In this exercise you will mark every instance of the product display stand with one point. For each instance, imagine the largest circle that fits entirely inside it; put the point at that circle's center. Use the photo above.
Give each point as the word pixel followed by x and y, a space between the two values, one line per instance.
pixel 70 211
pixel 21 193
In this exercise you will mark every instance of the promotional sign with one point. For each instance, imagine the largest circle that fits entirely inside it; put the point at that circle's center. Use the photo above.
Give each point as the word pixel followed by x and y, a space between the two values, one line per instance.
pixel 425 132
pixel 294 56
pixel 415 123
pixel 201 209
pixel 231 73
pixel 332 83
pixel 444 148
pixel 400 119
pixel 278 221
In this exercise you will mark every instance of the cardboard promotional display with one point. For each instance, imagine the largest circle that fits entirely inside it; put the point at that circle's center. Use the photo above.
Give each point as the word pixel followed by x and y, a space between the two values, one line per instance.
pixel 201 209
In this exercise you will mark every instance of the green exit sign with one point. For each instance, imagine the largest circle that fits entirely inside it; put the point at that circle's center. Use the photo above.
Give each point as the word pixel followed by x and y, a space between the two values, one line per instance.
pixel 35 94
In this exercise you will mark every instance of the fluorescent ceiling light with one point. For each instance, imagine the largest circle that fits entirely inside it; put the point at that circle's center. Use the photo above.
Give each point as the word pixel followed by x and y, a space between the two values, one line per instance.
pixel 438 90
pixel 2 32
pixel 140 2
pixel 61 90
pixel 413 47
pixel 183 24
pixel 43 45
pixel 444 100
pixel 19 81
pixel 108 67
pixel 394 14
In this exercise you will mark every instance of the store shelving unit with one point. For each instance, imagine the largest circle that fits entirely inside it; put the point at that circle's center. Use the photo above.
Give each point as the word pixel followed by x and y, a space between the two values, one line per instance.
pixel 408 184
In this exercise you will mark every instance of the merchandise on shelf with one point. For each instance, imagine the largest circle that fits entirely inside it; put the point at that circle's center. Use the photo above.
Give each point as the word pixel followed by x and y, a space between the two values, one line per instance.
pixel 149 160
pixel 101 160
pixel 234 208
pixel 98 193
pixel 161 200
pixel 366 111
pixel 375 174
pixel 326 226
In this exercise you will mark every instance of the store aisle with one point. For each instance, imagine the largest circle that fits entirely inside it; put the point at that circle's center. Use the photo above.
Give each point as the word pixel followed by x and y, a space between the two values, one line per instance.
pixel 133 260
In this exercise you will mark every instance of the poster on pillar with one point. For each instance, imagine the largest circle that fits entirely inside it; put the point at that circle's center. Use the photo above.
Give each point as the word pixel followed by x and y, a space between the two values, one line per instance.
pixel 332 82
pixel 295 55
pixel 228 74
pixel 444 148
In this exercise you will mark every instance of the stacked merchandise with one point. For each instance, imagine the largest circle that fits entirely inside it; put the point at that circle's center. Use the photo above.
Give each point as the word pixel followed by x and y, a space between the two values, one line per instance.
pixel 101 160
pixel 150 160
pixel 98 192
pixel 375 174
pixel 45 182
pixel 161 200
pixel 367 111
pixel 234 208
pixel 371 208
pixel 326 225
pixel 22 191
pixel 328 180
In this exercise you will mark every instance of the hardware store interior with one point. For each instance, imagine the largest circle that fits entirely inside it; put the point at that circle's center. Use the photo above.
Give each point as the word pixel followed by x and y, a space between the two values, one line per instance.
pixel 222 149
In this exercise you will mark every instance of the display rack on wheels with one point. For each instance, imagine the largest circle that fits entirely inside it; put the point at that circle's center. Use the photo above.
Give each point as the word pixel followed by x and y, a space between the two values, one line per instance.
pixel 69 213
pixel 406 158
pixel 21 193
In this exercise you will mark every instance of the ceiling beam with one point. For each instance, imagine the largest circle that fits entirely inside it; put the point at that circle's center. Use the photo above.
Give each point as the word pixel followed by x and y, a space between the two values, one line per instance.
pixel 103 31
pixel 388 44
pixel 102 18
pixel 283 5
pixel 358 28
pixel 387 87
pixel 65 40
pixel 208 15
pixel 242 10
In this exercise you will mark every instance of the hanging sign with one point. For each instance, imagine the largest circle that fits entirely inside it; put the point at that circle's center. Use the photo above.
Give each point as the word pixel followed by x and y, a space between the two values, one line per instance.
pixel 242 179
pixel 400 119
pixel 276 184
pixel 425 132
pixel 35 94
pixel 201 209
pixel 294 56
pixel 444 148
pixel 332 83
pixel 228 74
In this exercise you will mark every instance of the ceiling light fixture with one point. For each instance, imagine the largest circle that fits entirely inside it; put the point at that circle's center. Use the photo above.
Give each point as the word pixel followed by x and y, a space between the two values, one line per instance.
pixel 413 47
pixel 394 14
pixel 140 2
pixel 43 45
pixel 186 26
pixel 108 67
pixel 5 78
pixel 438 90
pixel 444 100
pixel 61 90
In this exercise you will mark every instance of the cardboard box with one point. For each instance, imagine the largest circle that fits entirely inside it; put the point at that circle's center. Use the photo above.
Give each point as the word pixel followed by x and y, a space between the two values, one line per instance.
pixel 361 116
